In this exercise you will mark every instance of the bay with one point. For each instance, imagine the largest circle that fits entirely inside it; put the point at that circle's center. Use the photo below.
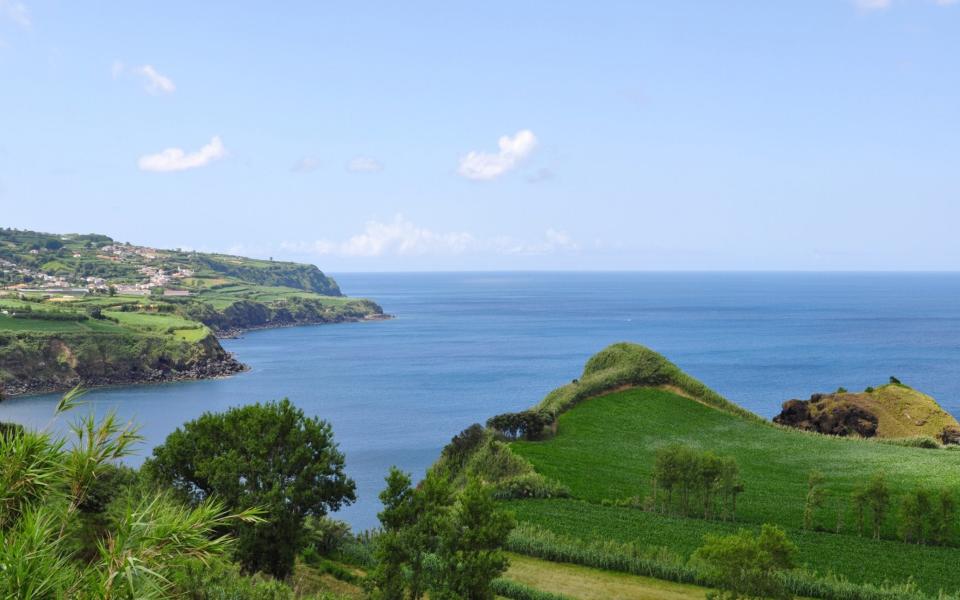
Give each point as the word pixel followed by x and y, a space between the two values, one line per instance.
pixel 466 346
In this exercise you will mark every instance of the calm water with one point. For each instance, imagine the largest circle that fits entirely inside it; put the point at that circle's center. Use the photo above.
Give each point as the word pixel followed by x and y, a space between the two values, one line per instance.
pixel 466 346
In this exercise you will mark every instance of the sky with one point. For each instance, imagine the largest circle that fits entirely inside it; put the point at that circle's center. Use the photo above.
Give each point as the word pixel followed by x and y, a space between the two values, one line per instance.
pixel 411 136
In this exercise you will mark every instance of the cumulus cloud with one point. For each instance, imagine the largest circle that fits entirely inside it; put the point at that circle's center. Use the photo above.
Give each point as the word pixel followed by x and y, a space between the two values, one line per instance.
pixel 176 159
pixel 485 165
pixel 16 12
pixel 364 164
pixel 401 237
pixel 153 81
pixel 307 164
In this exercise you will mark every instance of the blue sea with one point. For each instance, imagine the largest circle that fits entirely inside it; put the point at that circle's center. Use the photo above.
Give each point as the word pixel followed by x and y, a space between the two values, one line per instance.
pixel 465 346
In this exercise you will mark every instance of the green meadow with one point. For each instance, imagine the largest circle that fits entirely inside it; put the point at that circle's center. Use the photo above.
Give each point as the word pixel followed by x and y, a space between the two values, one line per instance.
pixel 631 402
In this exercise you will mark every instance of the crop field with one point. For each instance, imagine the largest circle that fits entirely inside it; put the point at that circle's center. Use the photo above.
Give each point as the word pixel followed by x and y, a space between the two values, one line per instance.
pixel 860 560
pixel 605 450
pixel 160 324
pixel 223 296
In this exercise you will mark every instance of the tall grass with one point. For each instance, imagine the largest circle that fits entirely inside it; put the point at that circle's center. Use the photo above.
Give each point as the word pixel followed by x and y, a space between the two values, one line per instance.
pixel 518 591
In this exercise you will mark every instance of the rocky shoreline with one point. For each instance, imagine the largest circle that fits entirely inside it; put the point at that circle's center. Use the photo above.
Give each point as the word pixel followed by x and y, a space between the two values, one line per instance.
pixel 231 333
pixel 221 366
pixel 212 369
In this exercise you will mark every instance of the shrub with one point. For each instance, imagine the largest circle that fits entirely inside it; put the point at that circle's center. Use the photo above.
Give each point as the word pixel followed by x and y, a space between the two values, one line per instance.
pixel 529 485
pixel 462 444
pixel 518 591
pixel 527 424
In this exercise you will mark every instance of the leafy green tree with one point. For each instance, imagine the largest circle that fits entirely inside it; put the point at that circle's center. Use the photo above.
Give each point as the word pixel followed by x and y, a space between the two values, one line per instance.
pixel 267 455
pixel 744 565
pixel 471 547
pixel 814 499
pixel 387 579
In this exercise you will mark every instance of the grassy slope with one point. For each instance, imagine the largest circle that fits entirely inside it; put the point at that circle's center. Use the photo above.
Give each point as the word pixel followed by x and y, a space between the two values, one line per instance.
pixel 605 449
pixel 585 583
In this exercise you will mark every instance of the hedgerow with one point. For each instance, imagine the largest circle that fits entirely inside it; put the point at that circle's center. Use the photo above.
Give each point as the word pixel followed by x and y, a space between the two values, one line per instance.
pixel 518 591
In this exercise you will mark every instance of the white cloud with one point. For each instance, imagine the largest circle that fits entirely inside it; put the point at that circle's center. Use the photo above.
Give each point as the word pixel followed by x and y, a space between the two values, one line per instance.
pixel 16 12
pixel 153 81
pixel 307 164
pixel 485 166
pixel 401 237
pixel 873 4
pixel 364 164
pixel 175 159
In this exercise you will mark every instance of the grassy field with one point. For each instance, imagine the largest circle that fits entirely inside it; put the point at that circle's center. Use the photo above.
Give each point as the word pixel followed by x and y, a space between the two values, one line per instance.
pixel 606 448
pixel 605 451
pixel 160 324
pixel 584 583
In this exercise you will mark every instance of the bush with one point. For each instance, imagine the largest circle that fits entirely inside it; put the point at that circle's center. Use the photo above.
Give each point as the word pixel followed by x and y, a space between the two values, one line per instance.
pixel 463 444
pixel 529 485
pixel 518 591
pixel 527 424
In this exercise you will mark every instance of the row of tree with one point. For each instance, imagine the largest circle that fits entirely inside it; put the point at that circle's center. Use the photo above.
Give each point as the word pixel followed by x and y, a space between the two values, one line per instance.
pixel 923 515
pixel 694 482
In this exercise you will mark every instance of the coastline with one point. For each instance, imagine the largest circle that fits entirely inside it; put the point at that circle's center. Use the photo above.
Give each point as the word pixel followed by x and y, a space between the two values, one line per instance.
pixel 213 368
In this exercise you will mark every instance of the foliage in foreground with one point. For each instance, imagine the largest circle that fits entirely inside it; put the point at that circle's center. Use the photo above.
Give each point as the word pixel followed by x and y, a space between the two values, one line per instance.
pixel 43 485
pixel 437 542
pixel 267 455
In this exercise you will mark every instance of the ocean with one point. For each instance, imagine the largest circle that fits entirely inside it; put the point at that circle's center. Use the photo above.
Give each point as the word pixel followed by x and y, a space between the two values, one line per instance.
pixel 466 346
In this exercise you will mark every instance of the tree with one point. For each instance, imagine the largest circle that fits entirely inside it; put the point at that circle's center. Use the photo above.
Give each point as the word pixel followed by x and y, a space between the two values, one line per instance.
pixel 471 546
pixel 878 500
pixel 437 542
pixel 945 517
pixel 916 513
pixel 268 455
pixel 744 565
pixel 814 499
pixel 390 553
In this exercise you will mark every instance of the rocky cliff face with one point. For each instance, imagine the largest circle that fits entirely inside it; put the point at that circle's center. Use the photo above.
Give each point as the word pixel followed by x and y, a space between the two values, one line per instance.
pixel 889 411
pixel 45 363
pixel 832 418
pixel 245 314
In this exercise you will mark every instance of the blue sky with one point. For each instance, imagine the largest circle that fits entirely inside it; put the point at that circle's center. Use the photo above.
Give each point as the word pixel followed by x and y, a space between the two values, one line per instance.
pixel 819 135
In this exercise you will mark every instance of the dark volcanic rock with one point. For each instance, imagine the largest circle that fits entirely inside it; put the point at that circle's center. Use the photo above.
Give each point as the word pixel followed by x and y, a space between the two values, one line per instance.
pixel 949 435
pixel 837 418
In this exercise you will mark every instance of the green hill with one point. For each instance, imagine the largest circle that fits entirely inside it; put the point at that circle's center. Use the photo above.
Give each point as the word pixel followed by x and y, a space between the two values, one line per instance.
pixel 600 446
pixel 85 309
